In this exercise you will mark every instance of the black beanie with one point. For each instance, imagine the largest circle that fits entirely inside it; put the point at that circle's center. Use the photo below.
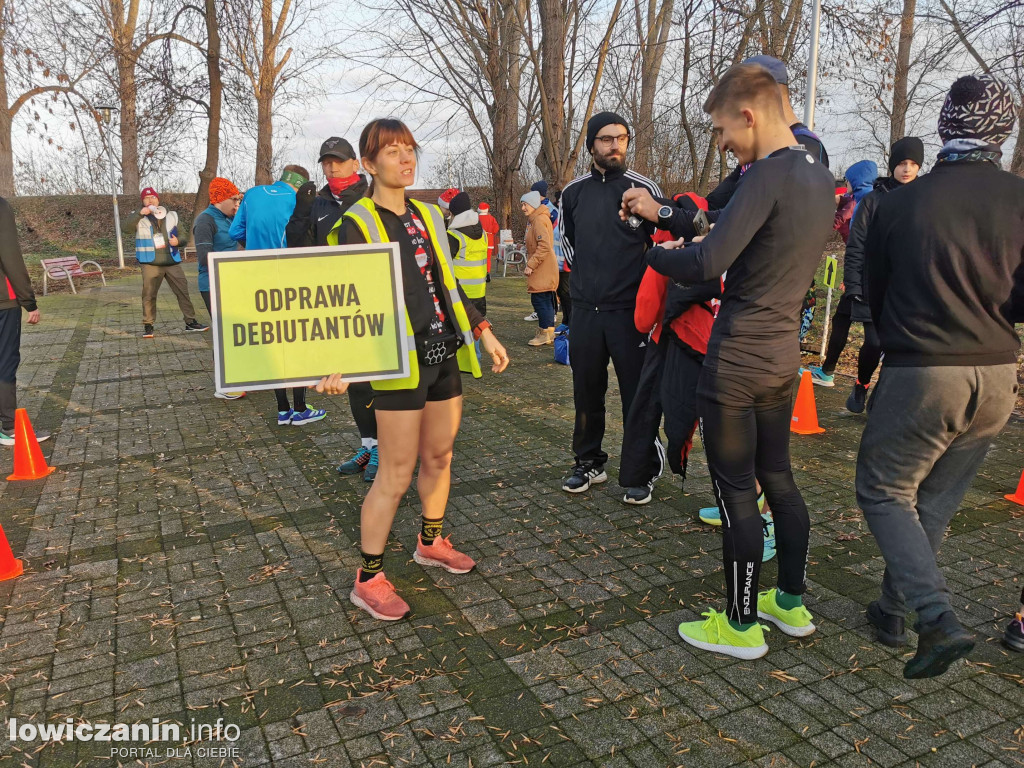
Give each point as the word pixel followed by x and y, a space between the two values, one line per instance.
pixel 907 148
pixel 599 121
pixel 459 204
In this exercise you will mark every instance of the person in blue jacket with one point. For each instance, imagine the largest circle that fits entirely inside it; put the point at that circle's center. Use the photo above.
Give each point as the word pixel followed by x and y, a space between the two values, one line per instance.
pixel 210 234
pixel 260 224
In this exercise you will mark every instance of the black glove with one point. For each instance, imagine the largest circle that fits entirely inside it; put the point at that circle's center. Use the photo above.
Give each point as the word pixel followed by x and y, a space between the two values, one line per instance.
pixel 305 196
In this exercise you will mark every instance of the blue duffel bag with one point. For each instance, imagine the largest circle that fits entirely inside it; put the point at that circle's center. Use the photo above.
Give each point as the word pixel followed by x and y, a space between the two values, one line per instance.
pixel 562 344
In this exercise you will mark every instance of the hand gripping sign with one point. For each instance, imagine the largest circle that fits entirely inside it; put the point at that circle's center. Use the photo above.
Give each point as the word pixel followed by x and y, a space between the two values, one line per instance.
pixel 285 318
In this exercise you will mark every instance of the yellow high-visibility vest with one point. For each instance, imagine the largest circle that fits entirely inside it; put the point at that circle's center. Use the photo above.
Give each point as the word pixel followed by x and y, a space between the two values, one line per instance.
pixel 364 213
pixel 471 264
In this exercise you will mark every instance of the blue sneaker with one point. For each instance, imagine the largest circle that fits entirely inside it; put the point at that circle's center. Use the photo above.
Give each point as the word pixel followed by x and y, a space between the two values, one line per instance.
pixel 768 528
pixel 713 515
pixel 307 416
pixel 371 466
pixel 821 378
pixel 285 417
pixel 356 464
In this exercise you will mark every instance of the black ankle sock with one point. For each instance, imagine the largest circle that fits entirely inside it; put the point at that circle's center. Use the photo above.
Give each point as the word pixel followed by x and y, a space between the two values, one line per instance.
pixel 431 530
pixel 372 565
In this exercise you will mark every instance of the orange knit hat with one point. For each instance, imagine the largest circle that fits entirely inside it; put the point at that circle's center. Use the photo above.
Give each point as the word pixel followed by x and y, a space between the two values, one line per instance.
pixel 221 190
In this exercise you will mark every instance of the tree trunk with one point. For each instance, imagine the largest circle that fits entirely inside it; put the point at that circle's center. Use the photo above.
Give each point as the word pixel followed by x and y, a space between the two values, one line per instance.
pixel 552 76
pixel 652 52
pixel 213 125
pixel 264 136
pixel 898 122
pixel 129 127
pixel 6 148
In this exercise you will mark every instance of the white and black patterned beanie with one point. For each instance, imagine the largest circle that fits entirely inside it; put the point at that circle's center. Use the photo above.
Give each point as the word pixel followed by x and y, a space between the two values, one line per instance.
pixel 977 107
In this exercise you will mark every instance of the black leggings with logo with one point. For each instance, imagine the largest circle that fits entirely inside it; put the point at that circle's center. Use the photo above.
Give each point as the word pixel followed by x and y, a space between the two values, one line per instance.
pixel 744 425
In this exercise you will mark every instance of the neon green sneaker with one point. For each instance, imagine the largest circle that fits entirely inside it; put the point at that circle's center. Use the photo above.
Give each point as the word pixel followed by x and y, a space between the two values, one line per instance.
pixel 796 622
pixel 717 635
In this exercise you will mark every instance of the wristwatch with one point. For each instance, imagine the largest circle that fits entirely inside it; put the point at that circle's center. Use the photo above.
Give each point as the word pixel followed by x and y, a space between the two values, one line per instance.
pixel 664 216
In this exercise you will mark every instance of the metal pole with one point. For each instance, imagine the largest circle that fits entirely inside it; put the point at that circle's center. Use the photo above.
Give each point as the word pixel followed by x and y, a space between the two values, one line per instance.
pixel 828 316
pixel 812 67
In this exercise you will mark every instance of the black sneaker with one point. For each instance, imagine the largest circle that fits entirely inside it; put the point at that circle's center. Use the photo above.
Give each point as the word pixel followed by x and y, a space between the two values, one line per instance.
pixel 147 331
pixel 196 327
pixel 938 645
pixel 1014 635
pixel 583 476
pixel 890 630
pixel 639 495
pixel 855 402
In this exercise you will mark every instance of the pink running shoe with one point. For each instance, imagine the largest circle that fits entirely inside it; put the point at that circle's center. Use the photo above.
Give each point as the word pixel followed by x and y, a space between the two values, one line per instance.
pixel 378 598
pixel 443 555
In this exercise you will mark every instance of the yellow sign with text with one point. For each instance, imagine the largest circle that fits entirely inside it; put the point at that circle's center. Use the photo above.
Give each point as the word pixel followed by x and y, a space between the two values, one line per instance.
pixel 285 318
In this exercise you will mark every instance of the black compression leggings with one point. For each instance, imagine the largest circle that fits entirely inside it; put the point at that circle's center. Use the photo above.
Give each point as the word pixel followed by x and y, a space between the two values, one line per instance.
pixel 870 353
pixel 298 395
pixel 745 430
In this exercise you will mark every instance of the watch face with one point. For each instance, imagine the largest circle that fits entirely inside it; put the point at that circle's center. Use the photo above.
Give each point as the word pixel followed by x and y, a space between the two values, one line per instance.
pixel 664 212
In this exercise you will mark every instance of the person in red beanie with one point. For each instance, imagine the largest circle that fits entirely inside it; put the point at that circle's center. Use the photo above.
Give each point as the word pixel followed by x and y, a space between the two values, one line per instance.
pixel 156 249
pixel 491 229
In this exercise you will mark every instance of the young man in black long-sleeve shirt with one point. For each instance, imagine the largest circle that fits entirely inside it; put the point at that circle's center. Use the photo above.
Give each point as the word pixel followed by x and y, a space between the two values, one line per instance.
pixel 769 240
pixel 945 284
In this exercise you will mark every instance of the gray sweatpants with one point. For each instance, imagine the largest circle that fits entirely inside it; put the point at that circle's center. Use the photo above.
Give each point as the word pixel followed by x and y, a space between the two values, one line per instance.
pixel 928 432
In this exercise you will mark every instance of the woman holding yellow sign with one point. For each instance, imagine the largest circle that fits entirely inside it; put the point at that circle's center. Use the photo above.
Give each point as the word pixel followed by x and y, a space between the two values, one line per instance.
pixel 418 416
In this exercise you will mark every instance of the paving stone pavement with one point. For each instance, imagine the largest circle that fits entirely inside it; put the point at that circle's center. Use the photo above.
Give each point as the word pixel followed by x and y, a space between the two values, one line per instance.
pixel 190 560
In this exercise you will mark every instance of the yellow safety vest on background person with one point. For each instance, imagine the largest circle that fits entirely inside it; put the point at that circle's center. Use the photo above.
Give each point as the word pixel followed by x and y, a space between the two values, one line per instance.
pixel 471 264
pixel 364 213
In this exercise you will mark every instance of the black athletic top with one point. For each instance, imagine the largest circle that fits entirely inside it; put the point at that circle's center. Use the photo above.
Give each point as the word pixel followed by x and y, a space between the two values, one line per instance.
pixel 768 241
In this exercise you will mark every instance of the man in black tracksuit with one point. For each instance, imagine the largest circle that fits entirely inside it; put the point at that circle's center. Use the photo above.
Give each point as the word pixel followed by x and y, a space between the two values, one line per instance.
pixel 314 216
pixel 945 284
pixel 606 256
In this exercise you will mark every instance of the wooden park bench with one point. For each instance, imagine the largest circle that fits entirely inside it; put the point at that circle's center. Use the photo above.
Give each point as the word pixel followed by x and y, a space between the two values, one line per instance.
pixel 66 268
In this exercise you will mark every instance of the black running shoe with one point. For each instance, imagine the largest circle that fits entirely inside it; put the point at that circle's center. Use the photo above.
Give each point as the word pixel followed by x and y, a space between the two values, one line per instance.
pixel 147 331
pixel 890 630
pixel 583 476
pixel 194 327
pixel 857 399
pixel 939 644
pixel 639 495
pixel 1014 635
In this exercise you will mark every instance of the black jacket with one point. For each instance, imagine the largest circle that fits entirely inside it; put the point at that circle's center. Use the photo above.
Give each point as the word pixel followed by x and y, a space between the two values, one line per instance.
pixel 853 261
pixel 313 219
pixel 605 254
pixel 945 282
pixel 14 280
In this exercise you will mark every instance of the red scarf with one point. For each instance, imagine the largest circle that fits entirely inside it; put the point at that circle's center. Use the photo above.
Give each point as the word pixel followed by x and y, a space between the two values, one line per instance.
pixel 340 185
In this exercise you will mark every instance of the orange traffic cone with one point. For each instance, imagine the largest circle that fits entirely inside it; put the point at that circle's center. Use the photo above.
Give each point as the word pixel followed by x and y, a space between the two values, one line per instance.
pixel 29 463
pixel 805 414
pixel 1018 496
pixel 10 566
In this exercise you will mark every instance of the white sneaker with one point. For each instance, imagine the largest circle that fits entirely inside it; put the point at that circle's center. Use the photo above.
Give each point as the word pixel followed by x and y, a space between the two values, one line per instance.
pixel 531 318
pixel 229 395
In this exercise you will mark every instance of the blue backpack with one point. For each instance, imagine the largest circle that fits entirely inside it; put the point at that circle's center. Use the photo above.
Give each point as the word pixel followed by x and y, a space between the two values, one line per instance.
pixel 562 344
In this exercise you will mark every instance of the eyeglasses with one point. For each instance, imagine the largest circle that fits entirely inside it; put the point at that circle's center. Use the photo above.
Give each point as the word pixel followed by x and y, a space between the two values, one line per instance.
pixel 607 141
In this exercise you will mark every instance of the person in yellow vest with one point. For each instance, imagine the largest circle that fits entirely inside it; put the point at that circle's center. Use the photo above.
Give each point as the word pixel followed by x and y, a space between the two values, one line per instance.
pixel 468 243
pixel 418 416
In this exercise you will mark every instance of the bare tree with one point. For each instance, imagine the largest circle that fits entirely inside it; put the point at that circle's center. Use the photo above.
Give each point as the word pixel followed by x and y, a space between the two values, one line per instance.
pixel 36 69
pixel 561 60
pixel 898 122
pixel 260 39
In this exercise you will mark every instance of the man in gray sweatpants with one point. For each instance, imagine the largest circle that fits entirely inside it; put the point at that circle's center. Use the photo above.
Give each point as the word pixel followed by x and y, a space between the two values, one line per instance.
pixel 945 288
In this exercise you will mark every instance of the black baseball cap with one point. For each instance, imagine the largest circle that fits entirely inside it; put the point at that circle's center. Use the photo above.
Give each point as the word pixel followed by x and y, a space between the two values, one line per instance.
pixel 336 147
